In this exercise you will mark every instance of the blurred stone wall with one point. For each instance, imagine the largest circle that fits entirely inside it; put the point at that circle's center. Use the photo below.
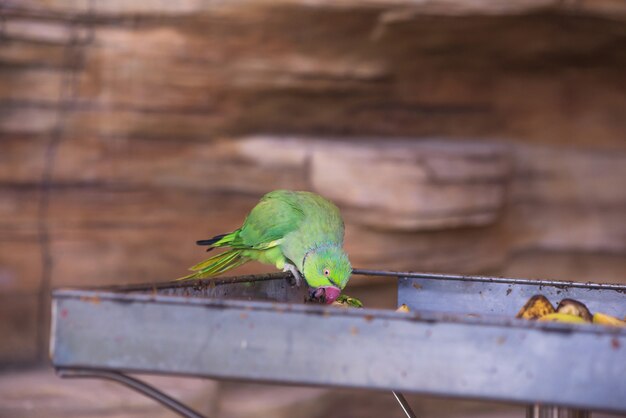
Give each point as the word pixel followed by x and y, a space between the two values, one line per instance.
pixel 456 136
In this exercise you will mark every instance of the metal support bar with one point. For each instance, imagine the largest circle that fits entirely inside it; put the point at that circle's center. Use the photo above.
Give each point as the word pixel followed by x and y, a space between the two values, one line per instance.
pixel 404 405
pixel 136 384
pixel 541 411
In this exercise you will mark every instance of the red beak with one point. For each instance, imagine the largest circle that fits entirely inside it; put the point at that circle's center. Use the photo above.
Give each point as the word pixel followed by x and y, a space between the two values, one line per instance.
pixel 327 294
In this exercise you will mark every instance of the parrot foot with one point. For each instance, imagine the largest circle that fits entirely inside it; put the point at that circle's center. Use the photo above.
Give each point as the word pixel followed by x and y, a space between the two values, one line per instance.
pixel 294 271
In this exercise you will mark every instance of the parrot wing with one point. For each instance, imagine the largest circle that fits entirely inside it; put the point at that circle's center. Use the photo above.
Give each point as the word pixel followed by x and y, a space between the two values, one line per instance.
pixel 276 215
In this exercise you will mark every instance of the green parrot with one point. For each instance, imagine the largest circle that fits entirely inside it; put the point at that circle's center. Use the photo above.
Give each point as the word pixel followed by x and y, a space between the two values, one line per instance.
pixel 299 232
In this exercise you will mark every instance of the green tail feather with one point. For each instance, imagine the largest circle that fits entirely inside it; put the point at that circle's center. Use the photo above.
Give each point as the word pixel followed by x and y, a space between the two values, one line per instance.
pixel 216 265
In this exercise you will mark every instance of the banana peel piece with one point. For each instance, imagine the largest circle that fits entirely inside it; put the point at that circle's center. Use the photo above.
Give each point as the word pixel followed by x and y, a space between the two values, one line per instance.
pixel 574 307
pixel 403 308
pixel 568 311
pixel 604 319
pixel 536 307
pixel 562 317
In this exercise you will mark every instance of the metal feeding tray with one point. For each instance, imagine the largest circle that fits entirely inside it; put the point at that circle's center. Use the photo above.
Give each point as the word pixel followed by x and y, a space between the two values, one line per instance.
pixel 461 339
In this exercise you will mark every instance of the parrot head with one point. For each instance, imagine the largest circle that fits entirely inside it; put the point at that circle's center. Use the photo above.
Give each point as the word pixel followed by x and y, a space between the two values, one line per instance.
pixel 326 270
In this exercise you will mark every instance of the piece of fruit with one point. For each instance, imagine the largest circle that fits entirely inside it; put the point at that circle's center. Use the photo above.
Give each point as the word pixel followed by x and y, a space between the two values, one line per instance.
pixel 574 307
pixel 561 317
pixel 403 308
pixel 348 301
pixel 536 307
pixel 604 319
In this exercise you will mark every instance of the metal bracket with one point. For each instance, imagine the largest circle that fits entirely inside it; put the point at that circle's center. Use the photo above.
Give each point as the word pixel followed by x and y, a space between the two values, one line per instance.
pixel 136 384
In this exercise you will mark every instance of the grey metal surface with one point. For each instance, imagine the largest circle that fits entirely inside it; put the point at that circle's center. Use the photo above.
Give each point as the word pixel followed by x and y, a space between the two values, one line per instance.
pixel 501 296
pixel 495 358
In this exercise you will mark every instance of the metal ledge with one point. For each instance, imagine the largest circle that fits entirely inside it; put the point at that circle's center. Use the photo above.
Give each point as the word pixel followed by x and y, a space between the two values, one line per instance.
pixel 481 356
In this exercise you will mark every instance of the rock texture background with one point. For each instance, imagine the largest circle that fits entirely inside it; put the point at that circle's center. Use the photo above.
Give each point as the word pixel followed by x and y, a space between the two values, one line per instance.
pixel 456 136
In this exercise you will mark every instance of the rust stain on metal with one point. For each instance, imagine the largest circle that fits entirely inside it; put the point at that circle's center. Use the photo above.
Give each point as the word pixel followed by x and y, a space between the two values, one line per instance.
pixel 279 307
pixel 501 340
pixel 354 331
pixel 93 299
pixel 417 286
pixel 243 315
pixel 615 343
pixel 368 318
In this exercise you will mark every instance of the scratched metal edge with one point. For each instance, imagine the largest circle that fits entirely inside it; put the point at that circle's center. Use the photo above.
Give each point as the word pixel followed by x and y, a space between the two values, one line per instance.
pixel 365 316
pixel 89 296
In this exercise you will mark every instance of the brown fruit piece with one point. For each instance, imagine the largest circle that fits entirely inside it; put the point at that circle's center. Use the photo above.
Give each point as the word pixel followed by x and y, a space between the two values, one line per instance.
pixel 536 307
pixel 574 307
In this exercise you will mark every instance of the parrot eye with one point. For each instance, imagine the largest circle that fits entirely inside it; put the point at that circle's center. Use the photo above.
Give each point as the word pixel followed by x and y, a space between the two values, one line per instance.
pixel 326 272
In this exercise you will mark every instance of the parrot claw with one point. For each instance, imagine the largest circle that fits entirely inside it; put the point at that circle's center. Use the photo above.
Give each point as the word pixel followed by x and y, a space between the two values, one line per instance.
pixel 294 271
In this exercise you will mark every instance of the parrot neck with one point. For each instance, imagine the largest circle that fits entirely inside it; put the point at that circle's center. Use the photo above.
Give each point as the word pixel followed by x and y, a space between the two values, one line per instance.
pixel 314 250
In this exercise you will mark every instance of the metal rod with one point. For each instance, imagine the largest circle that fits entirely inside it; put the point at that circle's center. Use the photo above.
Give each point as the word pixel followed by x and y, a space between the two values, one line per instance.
pixel 217 281
pixel 436 276
pixel 404 405
pixel 135 384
